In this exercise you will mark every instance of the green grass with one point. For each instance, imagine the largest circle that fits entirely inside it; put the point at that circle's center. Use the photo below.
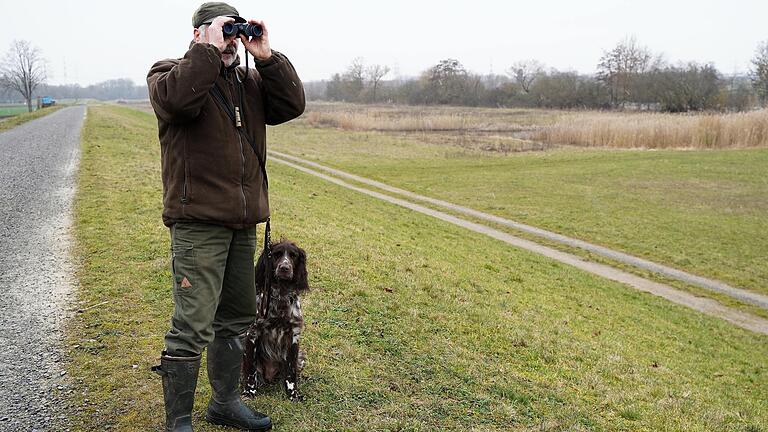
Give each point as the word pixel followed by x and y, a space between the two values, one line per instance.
pixel 21 116
pixel 412 324
pixel 12 110
pixel 705 212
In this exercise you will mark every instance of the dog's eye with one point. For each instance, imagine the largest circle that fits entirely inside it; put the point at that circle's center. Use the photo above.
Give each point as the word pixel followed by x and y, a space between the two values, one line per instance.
pixel 292 254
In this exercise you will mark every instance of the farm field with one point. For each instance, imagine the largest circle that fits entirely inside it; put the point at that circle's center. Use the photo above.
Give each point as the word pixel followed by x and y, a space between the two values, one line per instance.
pixel 412 324
pixel 702 211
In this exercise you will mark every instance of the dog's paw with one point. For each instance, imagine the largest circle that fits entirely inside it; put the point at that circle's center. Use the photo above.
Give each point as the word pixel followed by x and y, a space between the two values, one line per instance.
pixel 293 392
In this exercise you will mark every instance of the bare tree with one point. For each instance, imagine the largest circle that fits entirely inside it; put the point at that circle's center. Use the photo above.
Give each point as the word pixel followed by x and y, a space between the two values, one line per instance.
pixel 620 67
pixel 375 75
pixel 356 71
pixel 355 80
pixel 23 69
pixel 525 72
pixel 759 73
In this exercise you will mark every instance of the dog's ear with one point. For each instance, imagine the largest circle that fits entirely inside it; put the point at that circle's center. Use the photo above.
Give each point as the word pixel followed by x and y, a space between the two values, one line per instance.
pixel 301 271
pixel 261 271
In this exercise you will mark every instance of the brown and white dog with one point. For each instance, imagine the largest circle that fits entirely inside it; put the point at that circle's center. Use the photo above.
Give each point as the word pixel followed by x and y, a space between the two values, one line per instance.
pixel 272 342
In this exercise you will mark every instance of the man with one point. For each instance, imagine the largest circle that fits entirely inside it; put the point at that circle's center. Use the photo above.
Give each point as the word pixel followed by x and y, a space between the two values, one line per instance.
pixel 211 119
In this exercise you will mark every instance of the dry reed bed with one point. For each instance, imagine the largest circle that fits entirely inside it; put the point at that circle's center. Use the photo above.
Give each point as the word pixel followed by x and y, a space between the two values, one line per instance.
pixel 407 118
pixel 417 122
pixel 655 130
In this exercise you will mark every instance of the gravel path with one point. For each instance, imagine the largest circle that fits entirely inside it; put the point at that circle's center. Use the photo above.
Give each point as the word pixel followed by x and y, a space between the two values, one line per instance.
pixel 38 163
pixel 701 304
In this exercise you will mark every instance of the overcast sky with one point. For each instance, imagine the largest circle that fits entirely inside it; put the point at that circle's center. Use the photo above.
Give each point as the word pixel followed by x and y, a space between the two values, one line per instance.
pixel 90 41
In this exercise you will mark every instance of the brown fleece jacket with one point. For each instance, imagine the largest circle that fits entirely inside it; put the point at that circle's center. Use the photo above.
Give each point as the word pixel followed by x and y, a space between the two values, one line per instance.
pixel 210 172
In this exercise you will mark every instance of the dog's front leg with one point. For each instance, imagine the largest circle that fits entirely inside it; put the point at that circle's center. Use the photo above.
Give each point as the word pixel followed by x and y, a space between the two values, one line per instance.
pixel 252 371
pixel 290 371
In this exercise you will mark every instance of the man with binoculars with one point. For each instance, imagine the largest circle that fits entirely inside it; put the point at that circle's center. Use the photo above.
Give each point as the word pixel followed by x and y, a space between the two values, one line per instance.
pixel 212 115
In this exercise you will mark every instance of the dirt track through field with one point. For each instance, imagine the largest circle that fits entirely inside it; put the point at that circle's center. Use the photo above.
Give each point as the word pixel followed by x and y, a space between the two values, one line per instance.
pixel 704 305
pixel 709 284
pixel 38 163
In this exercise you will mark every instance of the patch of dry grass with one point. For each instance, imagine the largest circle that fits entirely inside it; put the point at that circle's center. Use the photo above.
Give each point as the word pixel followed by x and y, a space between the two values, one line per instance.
pixel 372 120
pixel 510 130
pixel 485 130
pixel 656 130
pixel 424 119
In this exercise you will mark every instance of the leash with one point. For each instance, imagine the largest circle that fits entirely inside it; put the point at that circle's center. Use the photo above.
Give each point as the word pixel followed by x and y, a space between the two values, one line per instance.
pixel 267 289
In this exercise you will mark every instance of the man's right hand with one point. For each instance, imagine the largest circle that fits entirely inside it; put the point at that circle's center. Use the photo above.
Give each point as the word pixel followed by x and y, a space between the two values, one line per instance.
pixel 215 34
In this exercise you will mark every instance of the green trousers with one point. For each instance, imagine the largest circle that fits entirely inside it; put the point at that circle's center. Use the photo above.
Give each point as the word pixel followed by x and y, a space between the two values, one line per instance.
pixel 213 285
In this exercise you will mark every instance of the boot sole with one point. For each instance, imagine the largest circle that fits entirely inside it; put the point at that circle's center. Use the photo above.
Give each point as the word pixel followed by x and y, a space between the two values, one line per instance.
pixel 220 421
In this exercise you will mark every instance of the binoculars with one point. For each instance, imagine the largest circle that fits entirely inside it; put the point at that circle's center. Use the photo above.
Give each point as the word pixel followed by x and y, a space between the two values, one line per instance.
pixel 250 30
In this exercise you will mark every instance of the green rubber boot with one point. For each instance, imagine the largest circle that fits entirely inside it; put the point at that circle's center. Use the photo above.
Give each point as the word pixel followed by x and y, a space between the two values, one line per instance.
pixel 225 357
pixel 179 382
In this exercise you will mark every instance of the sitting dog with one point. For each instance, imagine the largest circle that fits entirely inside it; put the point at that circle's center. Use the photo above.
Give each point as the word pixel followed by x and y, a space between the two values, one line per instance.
pixel 272 342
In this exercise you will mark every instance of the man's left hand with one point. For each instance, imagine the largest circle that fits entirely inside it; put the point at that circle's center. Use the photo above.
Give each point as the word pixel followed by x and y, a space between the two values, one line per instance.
pixel 258 47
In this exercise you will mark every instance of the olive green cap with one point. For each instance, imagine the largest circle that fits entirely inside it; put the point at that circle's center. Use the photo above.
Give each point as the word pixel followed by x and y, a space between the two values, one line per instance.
pixel 208 11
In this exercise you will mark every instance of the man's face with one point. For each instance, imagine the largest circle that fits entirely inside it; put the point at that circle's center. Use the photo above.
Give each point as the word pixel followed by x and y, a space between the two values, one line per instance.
pixel 229 54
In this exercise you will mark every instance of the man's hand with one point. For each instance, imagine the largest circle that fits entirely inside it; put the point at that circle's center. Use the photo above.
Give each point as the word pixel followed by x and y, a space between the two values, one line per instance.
pixel 215 34
pixel 258 47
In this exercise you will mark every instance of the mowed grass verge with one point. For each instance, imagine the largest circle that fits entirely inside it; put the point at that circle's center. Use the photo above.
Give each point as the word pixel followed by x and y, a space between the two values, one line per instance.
pixel 705 212
pixel 412 324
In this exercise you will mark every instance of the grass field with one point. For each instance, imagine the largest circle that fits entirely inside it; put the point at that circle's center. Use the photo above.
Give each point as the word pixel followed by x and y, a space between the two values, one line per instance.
pixel 701 211
pixel 19 116
pixel 412 324
pixel 12 110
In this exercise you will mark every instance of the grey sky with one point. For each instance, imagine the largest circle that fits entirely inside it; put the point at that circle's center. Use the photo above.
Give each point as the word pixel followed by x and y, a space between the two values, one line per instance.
pixel 90 41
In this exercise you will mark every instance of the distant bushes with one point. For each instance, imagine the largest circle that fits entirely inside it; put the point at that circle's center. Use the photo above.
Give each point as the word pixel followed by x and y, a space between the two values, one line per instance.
pixel 628 77
pixel 671 88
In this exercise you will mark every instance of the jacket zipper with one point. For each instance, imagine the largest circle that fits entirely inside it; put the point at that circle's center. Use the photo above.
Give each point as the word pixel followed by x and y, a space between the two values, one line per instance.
pixel 242 154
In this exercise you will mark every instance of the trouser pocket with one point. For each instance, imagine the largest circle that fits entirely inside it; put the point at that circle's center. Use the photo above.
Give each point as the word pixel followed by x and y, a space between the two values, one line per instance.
pixel 183 266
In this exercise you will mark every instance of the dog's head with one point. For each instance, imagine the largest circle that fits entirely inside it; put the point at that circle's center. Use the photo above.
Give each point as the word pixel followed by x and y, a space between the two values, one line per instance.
pixel 289 266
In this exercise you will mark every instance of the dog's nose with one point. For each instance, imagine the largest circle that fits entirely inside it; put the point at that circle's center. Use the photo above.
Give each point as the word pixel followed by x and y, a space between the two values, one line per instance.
pixel 284 270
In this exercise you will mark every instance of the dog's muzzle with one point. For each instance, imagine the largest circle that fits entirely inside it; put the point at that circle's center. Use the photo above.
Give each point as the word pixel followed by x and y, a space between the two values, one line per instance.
pixel 284 269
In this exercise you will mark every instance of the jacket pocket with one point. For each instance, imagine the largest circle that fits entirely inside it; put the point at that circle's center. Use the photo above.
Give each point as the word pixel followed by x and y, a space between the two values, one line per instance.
pixel 185 187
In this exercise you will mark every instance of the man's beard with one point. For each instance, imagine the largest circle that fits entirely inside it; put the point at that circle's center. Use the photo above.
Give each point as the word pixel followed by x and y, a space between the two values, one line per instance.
pixel 228 56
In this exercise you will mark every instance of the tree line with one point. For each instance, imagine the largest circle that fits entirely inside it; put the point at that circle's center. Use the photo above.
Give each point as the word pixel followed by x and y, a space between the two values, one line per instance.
pixel 628 76
pixel 23 75
pixel 115 89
